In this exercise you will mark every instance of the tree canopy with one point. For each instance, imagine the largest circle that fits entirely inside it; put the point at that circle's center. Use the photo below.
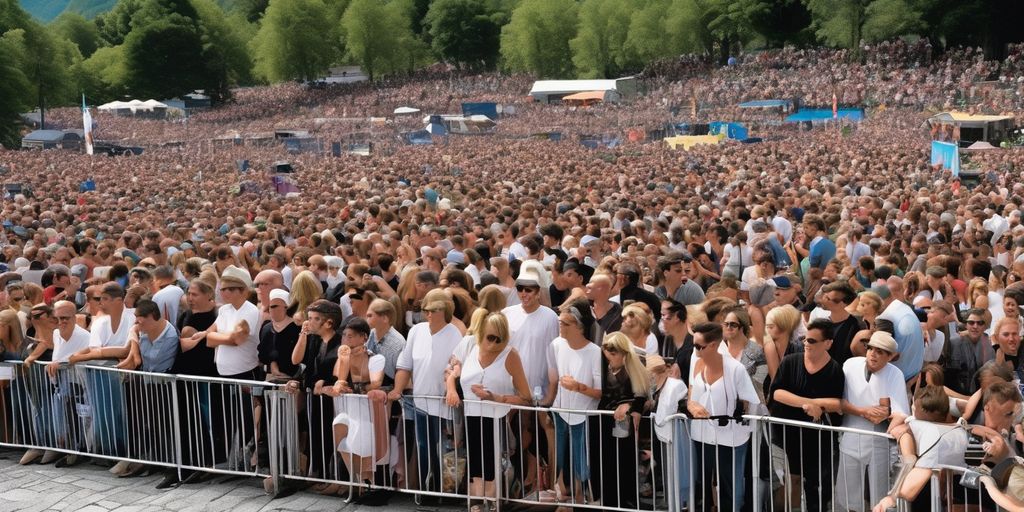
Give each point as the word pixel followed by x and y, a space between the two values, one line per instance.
pixel 290 43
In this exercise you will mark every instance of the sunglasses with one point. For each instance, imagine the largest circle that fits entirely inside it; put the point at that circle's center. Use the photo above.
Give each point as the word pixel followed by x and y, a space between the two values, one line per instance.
pixel 529 289
pixel 37 316
pixel 17 299
pixel 811 341
pixel 493 339
pixel 232 288
pixel 610 349
pixel 731 325
pixel 699 348
pixel 276 306
pixel 975 322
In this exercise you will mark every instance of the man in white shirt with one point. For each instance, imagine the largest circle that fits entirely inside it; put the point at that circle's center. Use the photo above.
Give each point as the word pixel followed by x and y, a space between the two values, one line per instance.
pixel 168 296
pixel 532 328
pixel 68 339
pixel 874 391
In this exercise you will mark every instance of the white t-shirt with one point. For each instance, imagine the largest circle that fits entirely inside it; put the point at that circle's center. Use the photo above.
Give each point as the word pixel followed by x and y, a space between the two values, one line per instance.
pixel 784 227
pixel 651 345
pixel 235 359
pixel 933 347
pixel 584 365
pixel 860 392
pixel 720 399
pixel 531 335
pixel 672 392
pixel 938 443
pixel 64 348
pixel 169 300
pixel 426 356
pixel 100 334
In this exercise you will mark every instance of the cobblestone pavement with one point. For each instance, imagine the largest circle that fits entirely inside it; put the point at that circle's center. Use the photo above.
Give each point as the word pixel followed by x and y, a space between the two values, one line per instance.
pixel 89 487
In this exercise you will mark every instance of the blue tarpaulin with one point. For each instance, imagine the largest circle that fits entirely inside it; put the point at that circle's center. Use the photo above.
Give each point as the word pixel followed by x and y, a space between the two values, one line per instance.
pixel 87 186
pixel 734 131
pixel 946 154
pixel 817 115
pixel 485 109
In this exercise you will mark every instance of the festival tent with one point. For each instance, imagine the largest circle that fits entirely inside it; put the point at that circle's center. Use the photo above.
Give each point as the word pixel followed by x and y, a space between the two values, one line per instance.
pixel 587 98
pixel 980 146
pixel 402 111
pixel 133 106
pixel 488 109
pixel 974 127
pixel 418 138
pixel 822 115
pixel 689 141
pixel 733 131
pixel 547 91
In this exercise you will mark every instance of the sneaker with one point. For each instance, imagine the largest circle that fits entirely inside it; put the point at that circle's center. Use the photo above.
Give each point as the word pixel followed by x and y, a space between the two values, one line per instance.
pixel 120 468
pixel 50 457
pixel 30 457
pixel 134 469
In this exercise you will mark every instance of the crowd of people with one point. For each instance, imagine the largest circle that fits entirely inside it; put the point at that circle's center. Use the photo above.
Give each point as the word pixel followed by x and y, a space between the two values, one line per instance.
pixel 540 301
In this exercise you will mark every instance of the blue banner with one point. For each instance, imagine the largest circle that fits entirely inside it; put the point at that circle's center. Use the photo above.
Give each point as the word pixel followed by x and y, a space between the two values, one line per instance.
pixel 946 154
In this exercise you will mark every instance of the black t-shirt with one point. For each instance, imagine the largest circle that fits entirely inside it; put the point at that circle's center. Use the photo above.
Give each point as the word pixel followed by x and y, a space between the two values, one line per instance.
pixel 557 296
pixel 610 322
pixel 792 376
pixel 199 360
pixel 842 336
pixel 680 356
pixel 276 347
pixel 320 358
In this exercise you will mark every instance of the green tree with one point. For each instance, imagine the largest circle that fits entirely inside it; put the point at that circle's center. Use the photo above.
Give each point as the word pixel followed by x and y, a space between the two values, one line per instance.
pixel 225 54
pixel 115 24
pixel 13 89
pixel 686 27
pixel 598 50
pixel 165 58
pixel 379 37
pixel 290 43
pixel 845 23
pixel 103 75
pixel 648 39
pixel 75 28
pixel 465 32
pixel 12 16
pixel 537 37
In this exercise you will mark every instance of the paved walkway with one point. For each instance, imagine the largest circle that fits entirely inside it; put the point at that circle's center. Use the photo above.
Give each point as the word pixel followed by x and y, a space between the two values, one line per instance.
pixel 90 487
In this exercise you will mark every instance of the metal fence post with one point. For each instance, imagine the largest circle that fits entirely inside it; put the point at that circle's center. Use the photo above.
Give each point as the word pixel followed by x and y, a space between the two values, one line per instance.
pixel 176 422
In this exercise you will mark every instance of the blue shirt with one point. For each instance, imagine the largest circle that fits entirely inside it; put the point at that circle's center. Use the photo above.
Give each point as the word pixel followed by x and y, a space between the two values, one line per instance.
pixel 158 355
pixel 909 338
pixel 822 251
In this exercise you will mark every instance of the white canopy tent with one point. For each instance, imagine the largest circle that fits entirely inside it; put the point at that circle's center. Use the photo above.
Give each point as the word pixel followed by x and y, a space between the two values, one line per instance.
pixel 133 106
pixel 406 111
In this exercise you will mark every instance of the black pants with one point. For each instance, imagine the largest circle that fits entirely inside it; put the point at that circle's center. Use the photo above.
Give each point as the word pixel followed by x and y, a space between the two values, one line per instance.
pixel 811 455
pixel 618 456
pixel 237 407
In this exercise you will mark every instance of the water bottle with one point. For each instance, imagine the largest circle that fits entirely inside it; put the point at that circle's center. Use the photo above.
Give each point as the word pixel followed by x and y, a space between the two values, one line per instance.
pixel 538 395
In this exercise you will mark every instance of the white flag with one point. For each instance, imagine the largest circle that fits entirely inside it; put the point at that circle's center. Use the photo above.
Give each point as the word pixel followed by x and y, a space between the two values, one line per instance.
pixel 87 126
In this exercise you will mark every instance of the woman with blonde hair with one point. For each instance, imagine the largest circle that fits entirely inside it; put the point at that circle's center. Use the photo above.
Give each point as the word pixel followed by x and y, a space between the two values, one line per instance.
pixel 868 307
pixel 625 384
pixel 492 375
pixel 781 325
pixel 404 299
pixel 636 325
pixel 306 290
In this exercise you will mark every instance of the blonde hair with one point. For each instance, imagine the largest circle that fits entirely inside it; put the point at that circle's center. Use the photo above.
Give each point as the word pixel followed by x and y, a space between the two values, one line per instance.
pixel 497 324
pixel 9 318
pixel 438 296
pixel 786 318
pixel 641 313
pixel 384 308
pixel 872 298
pixel 492 300
pixel 978 284
pixel 639 379
pixel 306 289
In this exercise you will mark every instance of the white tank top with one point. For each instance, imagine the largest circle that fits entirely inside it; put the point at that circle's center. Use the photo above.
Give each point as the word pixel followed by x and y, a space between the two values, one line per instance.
pixel 495 378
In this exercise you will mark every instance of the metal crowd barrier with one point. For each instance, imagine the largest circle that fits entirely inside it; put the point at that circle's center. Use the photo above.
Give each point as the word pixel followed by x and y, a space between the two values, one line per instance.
pixel 188 423
pixel 523 455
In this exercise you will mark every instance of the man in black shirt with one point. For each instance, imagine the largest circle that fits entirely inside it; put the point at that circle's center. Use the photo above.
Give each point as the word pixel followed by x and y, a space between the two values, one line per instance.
pixel 809 387
pixel 628 275
pixel 836 297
